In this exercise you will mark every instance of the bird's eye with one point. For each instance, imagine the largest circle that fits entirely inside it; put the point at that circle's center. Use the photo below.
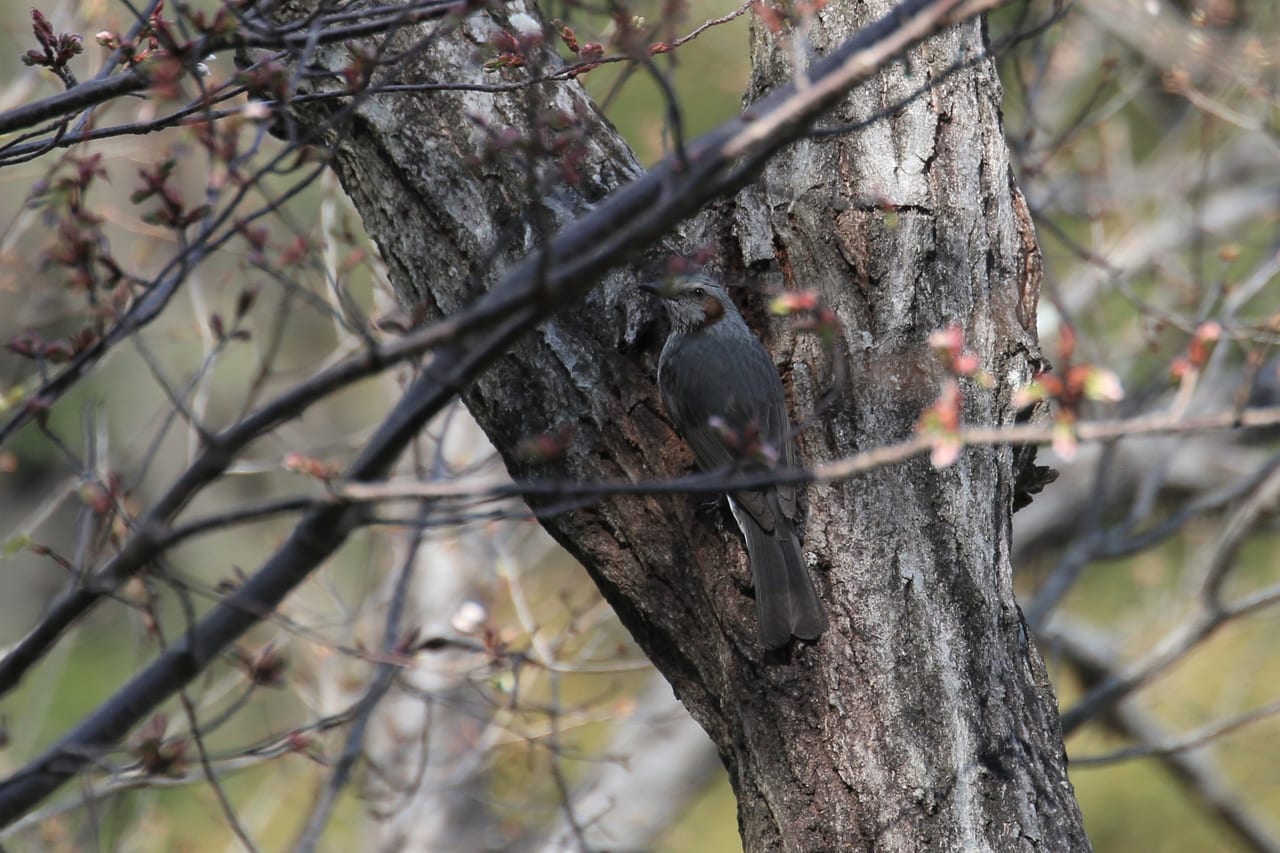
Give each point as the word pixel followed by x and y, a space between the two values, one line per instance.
pixel 698 291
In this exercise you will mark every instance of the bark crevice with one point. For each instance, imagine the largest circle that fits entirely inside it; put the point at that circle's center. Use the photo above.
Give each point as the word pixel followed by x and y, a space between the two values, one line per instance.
pixel 922 720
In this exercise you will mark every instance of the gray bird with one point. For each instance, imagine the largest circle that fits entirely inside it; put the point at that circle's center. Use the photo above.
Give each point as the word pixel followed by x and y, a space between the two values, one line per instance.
pixel 721 389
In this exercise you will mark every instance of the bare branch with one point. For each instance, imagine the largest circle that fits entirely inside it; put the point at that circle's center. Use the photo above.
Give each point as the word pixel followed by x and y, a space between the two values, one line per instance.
pixel 1096 662
pixel 634 216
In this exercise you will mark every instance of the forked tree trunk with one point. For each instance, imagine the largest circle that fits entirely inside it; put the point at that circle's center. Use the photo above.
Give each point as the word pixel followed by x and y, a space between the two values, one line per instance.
pixel 923 720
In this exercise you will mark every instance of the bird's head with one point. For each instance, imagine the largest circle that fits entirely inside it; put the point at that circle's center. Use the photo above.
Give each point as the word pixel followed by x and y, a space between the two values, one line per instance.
pixel 693 303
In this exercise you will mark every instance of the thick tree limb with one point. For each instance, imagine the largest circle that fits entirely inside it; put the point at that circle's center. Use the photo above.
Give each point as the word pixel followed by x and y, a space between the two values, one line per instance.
pixel 635 216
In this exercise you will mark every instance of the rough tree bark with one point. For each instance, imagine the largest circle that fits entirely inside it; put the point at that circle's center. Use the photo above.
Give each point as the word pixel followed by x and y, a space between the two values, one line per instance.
pixel 924 719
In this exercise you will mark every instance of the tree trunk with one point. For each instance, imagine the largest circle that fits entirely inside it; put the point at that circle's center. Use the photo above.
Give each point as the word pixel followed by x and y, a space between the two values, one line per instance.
pixel 940 704
pixel 923 719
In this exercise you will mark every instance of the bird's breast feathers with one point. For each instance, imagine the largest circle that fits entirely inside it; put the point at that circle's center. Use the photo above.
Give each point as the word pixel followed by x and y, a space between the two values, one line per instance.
pixel 704 376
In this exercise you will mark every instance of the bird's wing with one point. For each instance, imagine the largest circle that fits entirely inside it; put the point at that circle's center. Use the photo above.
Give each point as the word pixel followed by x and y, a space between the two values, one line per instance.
pixel 778 432
pixel 740 391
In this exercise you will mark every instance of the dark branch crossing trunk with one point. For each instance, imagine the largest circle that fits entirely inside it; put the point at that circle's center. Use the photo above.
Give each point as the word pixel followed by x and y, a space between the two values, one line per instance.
pixel 923 719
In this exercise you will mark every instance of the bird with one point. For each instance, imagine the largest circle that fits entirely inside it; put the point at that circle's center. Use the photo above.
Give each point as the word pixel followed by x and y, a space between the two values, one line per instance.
pixel 723 394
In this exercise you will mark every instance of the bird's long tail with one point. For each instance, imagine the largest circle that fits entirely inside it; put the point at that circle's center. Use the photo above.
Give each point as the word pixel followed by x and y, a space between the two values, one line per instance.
pixel 786 602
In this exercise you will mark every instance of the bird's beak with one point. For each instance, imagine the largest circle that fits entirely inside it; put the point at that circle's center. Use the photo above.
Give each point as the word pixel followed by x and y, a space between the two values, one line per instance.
pixel 653 287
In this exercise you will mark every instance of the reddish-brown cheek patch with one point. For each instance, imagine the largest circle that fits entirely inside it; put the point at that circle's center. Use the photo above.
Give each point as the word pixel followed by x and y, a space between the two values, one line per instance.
pixel 712 311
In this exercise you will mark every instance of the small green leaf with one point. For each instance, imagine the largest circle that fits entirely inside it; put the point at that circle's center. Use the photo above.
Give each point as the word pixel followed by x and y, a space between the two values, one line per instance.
pixel 16 544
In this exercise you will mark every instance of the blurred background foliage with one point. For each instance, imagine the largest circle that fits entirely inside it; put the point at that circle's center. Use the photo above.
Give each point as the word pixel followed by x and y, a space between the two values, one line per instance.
pixel 1150 160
